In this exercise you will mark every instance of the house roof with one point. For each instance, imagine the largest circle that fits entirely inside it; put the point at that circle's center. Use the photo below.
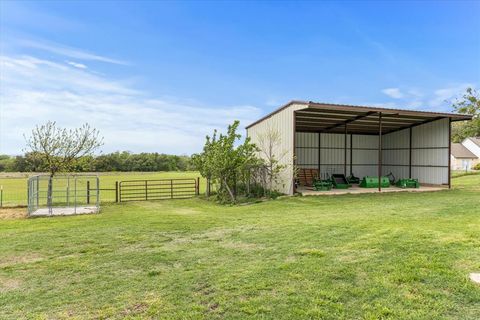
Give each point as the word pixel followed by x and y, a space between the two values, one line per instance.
pixel 329 117
pixel 460 151
pixel 475 140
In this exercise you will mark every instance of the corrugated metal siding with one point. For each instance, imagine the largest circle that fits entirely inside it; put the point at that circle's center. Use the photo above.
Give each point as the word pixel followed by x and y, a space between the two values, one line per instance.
pixel 429 152
pixel 430 135
pixel 362 171
pixel 365 141
pixel 397 171
pixel 430 175
pixel 334 140
pixel 283 122
pixel 399 139
pixel 306 139
pixel 365 154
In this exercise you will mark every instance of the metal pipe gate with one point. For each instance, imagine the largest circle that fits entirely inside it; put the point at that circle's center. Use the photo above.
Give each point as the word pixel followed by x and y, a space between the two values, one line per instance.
pixel 162 189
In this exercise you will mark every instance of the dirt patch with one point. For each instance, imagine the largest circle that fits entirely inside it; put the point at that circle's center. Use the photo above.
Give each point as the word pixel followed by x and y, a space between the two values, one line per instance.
pixel 9 284
pixel 13 213
pixel 135 309
pixel 186 211
pixel 216 234
pixel 241 245
pixel 20 259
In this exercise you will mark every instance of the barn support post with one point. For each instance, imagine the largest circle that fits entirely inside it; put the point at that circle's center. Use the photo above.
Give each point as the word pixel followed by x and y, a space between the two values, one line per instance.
pixel 319 155
pixel 318 151
pixel 294 156
pixel 449 153
pixel 345 150
pixel 410 153
pixel 351 154
pixel 379 151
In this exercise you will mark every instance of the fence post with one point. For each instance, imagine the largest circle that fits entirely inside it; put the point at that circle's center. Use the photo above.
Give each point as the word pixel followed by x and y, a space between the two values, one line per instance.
pixel 171 188
pixel 1 196
pixel 197 191
pixel 146 192
pixel 116 191
pixel 88 191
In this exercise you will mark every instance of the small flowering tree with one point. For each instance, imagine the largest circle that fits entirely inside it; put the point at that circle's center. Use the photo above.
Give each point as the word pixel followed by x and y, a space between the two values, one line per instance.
pixel 224 163
pixel 59 149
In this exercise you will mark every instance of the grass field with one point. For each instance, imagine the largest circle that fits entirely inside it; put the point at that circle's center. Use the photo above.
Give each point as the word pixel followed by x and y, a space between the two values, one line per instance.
pixel 374 256
pixel 15 184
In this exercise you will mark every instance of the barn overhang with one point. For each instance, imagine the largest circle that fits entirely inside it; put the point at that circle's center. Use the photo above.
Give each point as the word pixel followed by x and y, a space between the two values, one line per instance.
pixel 329 118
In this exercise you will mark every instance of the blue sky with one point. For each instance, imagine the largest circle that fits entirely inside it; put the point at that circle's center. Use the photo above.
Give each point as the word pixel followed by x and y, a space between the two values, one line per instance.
pixel 159 76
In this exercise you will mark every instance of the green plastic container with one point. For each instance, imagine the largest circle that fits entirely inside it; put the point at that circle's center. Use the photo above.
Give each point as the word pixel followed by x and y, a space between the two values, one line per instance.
pixel 408 183
pixel 372 182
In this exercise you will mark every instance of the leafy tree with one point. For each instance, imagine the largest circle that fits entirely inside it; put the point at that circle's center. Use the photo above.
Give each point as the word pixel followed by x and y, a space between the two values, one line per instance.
pixel 224 163
pixel 7 163
pixel 60 148
pixel 469 103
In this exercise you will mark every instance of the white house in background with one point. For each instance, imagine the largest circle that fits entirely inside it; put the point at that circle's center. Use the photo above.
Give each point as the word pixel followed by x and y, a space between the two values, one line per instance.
pixel 462 158
pixel 472 144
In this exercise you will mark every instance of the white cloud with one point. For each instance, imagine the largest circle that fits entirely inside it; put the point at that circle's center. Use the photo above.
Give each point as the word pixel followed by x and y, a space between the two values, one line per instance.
pixel 77 65
pixel 35 91
pixel 438 100
pixel 67 51
pixel 446 95
pixel 393 93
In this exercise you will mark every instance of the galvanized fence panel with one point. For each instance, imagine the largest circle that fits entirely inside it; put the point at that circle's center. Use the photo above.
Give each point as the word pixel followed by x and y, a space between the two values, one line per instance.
pixel 161 189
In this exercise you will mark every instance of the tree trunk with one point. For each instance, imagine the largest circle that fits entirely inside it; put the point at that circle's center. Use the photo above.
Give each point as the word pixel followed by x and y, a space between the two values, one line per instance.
pixel 229 191
pixel 208 187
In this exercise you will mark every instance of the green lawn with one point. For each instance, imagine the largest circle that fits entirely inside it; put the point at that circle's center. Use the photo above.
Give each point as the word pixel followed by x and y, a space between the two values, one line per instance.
pixel 15 184
pixel 376 256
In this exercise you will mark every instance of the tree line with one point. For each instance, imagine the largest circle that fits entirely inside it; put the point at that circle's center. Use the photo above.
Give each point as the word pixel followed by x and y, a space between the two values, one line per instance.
pixel 115 161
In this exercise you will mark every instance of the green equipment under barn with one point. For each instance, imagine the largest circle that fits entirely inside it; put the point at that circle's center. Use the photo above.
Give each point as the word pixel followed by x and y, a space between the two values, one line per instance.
pixel 372 182
pixel 352 179
pixel 340 182
pixel 408 183
pixel 322 185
